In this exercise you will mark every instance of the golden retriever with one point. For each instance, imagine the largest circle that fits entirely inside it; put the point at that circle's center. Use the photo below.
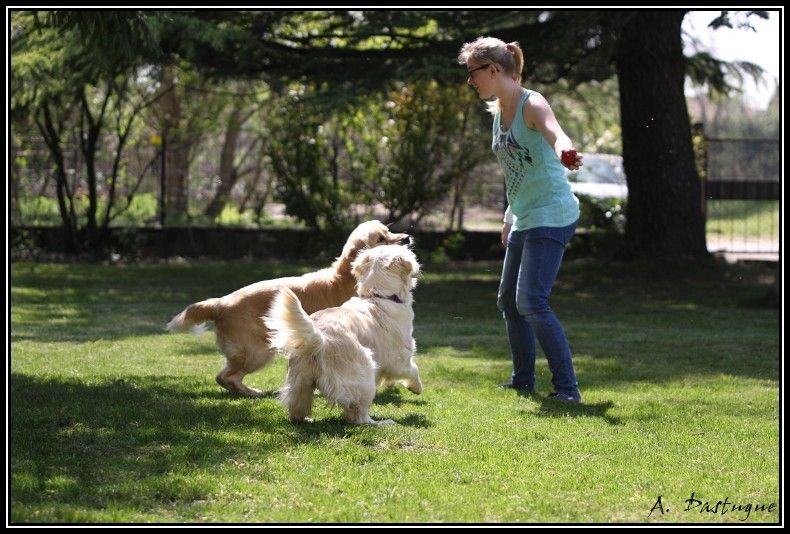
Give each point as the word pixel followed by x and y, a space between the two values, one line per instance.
pixel 346 351
pixel 240 333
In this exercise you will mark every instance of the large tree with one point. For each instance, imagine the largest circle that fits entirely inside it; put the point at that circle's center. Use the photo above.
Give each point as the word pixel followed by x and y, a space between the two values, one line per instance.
pixel 664 215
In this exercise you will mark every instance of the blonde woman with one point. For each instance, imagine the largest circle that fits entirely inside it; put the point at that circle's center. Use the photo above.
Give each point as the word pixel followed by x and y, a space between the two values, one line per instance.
pixel 541 215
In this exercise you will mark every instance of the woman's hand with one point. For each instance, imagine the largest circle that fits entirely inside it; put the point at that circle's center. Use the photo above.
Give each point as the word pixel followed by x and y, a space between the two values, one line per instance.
pixel 505 233
pixel 571 159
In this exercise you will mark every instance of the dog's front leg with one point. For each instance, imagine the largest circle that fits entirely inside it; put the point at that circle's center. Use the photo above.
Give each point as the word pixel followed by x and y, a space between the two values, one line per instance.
pixel 413 383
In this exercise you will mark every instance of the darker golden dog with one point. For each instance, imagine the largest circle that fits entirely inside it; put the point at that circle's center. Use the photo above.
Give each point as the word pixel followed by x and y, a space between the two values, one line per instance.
pixel 241 334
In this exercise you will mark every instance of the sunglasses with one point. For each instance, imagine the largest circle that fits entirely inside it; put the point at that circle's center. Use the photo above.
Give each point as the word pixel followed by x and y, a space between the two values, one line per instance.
pixel 471 71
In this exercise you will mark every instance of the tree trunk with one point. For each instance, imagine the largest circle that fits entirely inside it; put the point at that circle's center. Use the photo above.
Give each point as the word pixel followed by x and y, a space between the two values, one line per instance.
pixel 228 172
pixel 15 199
pixel 664 191
pixel 177 149
pixel 52 135
pixel 89 139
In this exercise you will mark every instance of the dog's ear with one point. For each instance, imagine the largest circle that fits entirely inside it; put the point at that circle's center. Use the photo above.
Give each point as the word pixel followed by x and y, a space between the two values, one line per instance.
pixel 406 264
pixel 360 266
pixel 352 248
pixel 400 264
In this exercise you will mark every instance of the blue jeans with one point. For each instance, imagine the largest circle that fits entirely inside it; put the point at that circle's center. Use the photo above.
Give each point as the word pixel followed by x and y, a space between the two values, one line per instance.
pixel 532 261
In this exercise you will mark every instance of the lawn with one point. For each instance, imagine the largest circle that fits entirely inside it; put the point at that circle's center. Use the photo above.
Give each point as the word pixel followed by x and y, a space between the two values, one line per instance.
pixel 113 420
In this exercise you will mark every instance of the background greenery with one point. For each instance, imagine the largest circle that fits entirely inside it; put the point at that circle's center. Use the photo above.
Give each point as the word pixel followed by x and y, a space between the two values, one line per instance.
pixel 113 420
pixel 338 114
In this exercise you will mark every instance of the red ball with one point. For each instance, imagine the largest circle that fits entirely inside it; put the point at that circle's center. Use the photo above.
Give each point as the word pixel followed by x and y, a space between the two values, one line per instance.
pixel 568 157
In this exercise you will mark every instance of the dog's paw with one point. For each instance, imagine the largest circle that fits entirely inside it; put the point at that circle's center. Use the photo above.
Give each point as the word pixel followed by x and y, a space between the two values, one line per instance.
pixel 301 420
pixel 384 422
pixel 414 387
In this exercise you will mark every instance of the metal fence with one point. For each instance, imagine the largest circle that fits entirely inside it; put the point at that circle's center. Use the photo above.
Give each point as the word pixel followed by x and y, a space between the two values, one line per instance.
pixel 742 195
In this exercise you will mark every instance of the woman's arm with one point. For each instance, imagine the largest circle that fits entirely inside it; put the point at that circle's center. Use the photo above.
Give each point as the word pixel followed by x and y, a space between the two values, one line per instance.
pixel 539 116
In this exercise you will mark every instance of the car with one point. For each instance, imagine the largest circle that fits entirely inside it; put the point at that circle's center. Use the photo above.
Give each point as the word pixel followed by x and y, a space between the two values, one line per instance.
pixel 600 176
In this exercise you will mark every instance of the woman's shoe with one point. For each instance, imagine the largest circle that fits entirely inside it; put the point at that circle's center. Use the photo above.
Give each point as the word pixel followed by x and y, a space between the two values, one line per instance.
pixel 565 397
pixel 521 388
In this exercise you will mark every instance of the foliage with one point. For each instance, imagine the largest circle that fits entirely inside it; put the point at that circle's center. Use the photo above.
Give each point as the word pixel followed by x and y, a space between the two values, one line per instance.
pixel 143 208
pixel 433 140
pixel 231 216
pixel 83 111
pixel 451 248
pixel 721 77
pixel 110 38
pixel 304 158
pixel 606 214
pixel 589 113
pixel 40 211
pixel 337 57
pixel 732 117
pixel 43 210
pixel 405 151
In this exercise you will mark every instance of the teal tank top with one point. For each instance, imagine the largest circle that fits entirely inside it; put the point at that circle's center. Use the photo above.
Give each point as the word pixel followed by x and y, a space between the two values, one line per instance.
pixel 537 190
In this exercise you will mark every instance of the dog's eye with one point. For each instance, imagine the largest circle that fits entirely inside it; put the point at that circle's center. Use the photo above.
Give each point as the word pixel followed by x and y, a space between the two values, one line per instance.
pixel 382 238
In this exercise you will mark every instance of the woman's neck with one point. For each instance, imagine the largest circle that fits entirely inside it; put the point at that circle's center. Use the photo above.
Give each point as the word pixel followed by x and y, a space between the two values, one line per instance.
pixel 510 95
pixel 509 99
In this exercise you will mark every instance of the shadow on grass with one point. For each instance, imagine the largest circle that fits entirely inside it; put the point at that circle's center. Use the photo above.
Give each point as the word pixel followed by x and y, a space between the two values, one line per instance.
pixel 89 444
pixel 550 407
pixel 336 426
pixel 135 423
pixel 396 396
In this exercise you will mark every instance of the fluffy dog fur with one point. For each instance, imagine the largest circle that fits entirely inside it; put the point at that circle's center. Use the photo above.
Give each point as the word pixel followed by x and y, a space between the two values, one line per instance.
pixel 346 351
pixel 243 337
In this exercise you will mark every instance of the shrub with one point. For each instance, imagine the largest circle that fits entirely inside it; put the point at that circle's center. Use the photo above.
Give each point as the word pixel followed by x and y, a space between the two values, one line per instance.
pixel 606 214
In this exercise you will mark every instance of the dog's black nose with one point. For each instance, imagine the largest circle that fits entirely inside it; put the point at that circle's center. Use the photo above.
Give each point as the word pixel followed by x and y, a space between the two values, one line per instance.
pixel 408 241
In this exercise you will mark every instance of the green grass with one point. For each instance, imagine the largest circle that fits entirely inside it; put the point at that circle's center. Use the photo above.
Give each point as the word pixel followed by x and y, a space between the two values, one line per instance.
pixel 113 420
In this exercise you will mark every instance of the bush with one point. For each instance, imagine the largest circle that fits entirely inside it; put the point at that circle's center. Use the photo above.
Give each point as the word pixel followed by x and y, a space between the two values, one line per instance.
pixel 43 211
pixel 452 248
pixel 606 214
pixel 40 211
pixel 143 210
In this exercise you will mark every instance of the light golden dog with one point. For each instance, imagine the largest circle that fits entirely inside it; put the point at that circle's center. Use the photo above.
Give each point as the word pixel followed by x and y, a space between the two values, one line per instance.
pixel 346 351
pixel 243 337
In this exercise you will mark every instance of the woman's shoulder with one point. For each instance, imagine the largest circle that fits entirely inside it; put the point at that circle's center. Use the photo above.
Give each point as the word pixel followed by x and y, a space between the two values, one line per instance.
pixel 535 98
pixel 535 107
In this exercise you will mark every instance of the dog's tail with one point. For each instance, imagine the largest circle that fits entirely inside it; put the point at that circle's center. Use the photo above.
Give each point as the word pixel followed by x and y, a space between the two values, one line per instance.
pixel 291 330
pixel 193 317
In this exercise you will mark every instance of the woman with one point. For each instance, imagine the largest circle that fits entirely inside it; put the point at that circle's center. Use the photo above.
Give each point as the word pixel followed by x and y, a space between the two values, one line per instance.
pixel 541 215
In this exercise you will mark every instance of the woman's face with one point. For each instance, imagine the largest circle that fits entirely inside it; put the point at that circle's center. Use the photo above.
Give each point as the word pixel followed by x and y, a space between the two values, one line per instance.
pixel 480 77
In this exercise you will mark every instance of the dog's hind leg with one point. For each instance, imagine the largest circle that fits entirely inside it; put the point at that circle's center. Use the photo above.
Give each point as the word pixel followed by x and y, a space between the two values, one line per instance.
pixel 233 383
pixel 297 395
pixel 357 410
pixel 231 378
pixel 359 414
pixel 243 360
